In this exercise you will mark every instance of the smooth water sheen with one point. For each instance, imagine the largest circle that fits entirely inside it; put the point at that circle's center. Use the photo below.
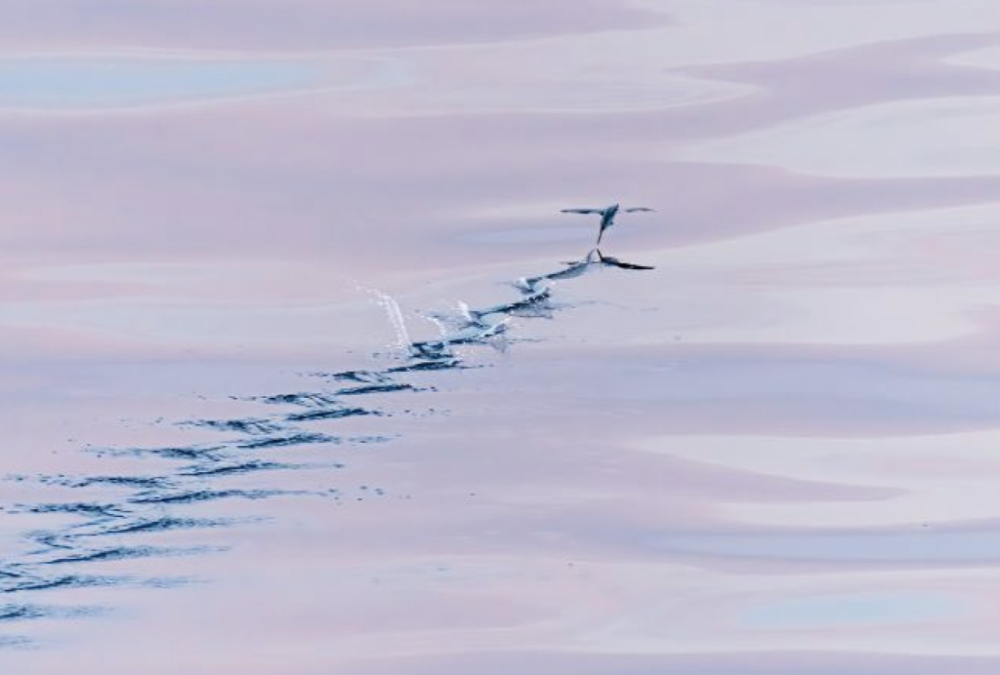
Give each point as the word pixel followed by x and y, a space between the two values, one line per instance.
pixel 302 370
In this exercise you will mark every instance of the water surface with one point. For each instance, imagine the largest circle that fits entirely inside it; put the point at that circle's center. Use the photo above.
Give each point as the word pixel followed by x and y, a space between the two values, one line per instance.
pixel 295 378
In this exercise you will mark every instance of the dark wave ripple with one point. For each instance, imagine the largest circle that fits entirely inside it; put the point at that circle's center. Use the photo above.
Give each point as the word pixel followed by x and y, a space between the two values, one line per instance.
pixel 107 531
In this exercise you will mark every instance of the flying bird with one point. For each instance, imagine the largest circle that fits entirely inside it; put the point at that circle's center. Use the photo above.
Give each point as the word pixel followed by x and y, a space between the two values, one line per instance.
pixel 607 215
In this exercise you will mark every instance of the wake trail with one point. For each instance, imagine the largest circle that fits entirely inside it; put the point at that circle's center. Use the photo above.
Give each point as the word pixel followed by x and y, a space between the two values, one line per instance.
pixel 259 451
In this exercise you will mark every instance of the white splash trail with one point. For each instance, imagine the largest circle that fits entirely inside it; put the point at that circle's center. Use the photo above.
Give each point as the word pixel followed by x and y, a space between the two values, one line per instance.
pixel 393 313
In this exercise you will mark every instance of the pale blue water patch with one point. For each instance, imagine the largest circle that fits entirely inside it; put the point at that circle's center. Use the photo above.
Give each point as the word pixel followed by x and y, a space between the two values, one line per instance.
pixel 924 547
pixel 861 609
pixel 81 83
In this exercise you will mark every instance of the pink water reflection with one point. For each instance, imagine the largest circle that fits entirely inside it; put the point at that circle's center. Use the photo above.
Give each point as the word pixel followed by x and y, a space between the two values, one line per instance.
pixel 771 454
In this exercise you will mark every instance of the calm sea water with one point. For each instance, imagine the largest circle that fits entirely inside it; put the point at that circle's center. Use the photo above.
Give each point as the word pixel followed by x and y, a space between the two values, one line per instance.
pixel 302 370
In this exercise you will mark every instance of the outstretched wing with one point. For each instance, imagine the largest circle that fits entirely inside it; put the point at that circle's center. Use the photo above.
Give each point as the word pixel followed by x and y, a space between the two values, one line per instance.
pixel 637 208
pixel 621 264
pixel 601 211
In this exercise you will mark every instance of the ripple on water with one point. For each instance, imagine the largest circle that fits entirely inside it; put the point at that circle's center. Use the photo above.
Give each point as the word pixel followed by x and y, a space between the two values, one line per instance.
pixel 146 502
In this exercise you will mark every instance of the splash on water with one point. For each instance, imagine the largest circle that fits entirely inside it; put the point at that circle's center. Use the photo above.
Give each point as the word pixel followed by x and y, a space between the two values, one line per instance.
pixel 254 457
pixel 395 316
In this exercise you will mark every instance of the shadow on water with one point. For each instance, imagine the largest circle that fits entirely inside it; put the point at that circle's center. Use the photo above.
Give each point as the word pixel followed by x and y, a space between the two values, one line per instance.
pixel 57 556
